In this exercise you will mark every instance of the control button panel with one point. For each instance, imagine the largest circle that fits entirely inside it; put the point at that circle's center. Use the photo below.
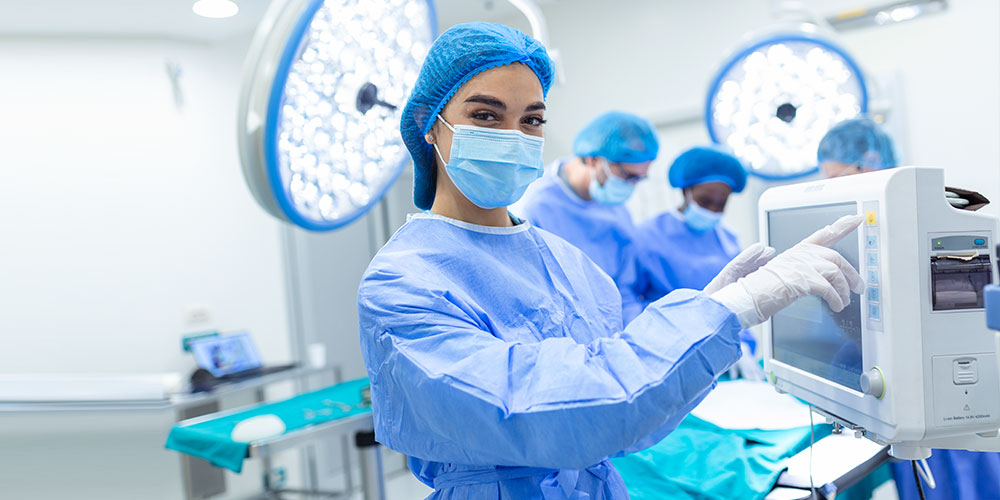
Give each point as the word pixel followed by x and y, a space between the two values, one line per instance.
pixel 872 271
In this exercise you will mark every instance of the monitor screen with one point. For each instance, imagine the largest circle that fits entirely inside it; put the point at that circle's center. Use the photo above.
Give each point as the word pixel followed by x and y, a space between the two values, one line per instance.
pixel 808 335
pixel 227 354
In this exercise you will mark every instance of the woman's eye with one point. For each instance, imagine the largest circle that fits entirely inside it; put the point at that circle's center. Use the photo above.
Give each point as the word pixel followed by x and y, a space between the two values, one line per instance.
pixel 484 116
pixel 534 121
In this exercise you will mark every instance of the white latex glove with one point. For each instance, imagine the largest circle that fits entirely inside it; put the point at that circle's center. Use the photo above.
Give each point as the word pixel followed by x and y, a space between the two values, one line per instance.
pixel 808 268
pixel 748 261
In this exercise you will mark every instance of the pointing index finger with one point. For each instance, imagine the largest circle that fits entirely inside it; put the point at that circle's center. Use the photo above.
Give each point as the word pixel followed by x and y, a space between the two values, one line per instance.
pixel 833 233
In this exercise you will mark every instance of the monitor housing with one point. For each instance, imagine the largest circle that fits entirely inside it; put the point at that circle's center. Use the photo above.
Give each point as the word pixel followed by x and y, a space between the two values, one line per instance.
pixel 909 362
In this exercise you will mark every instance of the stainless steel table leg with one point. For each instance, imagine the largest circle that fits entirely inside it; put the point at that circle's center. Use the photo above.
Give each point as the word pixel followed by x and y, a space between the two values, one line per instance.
pixel 372 473
pixel 345 450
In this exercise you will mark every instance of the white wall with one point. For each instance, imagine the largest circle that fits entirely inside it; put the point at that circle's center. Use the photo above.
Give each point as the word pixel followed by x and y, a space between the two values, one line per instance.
pixel 119 210
pixel 656 57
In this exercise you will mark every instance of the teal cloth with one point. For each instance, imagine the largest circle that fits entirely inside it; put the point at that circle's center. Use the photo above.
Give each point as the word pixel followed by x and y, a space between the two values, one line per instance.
pixel 211 440
pixel 863 489
pixel 703 461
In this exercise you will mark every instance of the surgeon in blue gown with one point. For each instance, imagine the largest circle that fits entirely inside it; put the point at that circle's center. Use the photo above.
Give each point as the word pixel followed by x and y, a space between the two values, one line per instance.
pixel 857 146
pixel 496 351
pixel 581 198
pixel 687 247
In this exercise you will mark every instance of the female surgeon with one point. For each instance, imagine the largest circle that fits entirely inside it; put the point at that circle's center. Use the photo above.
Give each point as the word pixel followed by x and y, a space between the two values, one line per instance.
pixel 495 350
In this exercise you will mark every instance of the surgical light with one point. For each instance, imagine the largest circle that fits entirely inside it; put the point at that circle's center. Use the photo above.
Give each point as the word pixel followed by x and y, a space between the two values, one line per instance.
pixel 324 85
pixel 215 9
pixel 773 101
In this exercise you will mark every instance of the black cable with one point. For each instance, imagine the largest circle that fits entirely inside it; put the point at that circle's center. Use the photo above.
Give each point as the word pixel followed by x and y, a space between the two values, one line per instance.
pixel 916 477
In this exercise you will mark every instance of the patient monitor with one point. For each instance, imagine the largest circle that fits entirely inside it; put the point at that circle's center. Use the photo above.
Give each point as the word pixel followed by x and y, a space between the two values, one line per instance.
pixel 910 362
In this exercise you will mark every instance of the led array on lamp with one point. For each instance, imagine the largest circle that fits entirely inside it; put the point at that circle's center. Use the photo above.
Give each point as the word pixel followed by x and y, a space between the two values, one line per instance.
pixel 334 154
pixel 773 102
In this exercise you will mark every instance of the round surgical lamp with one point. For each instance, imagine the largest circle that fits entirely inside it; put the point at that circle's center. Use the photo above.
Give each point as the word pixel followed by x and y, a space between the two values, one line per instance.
pixel 324 85
pixel 775 98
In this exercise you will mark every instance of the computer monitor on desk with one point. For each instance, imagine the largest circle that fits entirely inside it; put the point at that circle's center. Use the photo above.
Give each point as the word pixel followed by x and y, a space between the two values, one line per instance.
pixel 910 361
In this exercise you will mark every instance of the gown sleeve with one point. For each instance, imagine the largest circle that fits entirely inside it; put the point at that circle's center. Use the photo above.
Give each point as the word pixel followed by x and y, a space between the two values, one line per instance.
pixel 445 389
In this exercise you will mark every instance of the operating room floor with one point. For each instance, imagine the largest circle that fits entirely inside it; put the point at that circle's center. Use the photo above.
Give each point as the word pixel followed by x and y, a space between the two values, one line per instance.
pixel 403 486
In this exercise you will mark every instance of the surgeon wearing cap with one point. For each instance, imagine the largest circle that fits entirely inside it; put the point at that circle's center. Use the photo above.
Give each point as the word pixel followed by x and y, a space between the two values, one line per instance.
pixel 495 349
pixel 581 198
pixel 688 247
pixel 860 145
pixel 855 146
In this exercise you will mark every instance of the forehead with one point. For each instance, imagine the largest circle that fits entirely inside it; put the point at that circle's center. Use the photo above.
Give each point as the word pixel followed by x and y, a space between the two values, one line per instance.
pixel 513 82
pixel 711 188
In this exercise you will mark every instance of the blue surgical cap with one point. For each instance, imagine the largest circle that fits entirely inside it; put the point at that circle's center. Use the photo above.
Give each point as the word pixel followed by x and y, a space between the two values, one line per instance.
pixel 860 142
pixel 700 165
pixel 459 54
pixel 619 137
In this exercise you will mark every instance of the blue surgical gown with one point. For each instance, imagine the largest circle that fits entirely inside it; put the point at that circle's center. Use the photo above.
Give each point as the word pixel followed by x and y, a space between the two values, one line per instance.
pixel 672 256
pixel 603 232
pixel 959 474
pixel 499 364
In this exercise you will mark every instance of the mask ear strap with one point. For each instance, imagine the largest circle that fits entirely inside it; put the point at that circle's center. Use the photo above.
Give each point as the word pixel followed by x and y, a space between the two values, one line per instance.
pixel 438 151
pixel 446 124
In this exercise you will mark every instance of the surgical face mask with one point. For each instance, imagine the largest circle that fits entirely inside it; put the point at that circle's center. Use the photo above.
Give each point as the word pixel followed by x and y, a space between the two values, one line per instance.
pixel 700 219
pixel 492 167
pixel 614 191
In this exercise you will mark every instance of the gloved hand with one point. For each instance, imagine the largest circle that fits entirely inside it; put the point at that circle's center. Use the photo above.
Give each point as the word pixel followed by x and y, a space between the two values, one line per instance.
pixel 808 268
pixel 748 261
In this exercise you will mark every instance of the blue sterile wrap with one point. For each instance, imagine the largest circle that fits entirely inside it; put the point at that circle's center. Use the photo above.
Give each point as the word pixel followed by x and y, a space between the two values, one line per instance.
pixel 211 440
pixel 700 460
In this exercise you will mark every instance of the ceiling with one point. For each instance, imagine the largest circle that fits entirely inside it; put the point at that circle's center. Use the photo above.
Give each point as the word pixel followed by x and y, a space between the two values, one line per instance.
pixel 174 18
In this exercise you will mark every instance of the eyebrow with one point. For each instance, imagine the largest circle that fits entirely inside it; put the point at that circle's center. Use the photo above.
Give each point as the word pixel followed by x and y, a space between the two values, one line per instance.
pixel 497 103
pixel 487 100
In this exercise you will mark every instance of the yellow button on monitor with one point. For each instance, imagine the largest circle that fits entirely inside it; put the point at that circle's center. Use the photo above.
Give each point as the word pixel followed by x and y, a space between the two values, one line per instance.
pixel 870 218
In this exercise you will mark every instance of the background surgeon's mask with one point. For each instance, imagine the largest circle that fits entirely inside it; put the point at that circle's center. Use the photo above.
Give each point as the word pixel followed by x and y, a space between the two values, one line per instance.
pixel 615 190
pixel 700 219
pixel 492 167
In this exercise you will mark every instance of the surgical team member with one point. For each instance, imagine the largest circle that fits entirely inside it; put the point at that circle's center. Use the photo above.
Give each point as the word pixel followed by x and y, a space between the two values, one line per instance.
pixel 855 146
pixel 860 145
pixel 581 198
pixel 689 246
pixel 496 351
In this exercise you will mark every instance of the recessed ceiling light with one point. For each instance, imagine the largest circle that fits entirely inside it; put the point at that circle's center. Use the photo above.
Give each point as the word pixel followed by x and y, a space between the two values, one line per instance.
pixel 215 9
